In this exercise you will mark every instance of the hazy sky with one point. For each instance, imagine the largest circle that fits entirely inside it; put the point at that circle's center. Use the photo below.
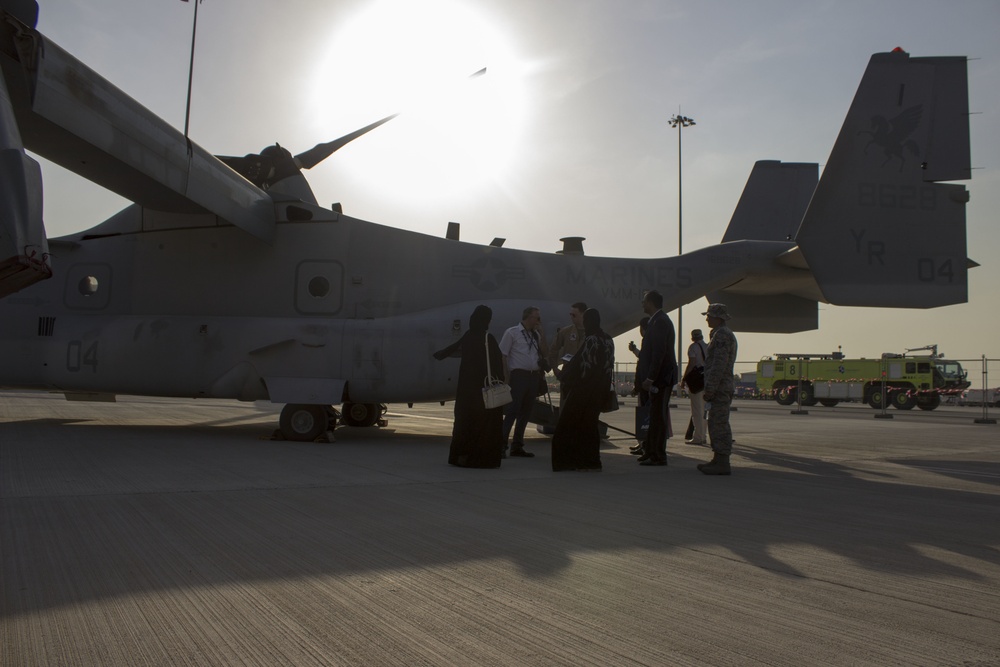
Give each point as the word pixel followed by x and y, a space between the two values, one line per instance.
pixel 567 135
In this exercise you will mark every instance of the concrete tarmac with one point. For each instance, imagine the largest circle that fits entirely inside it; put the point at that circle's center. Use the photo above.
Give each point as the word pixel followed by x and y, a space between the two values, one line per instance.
pixel 172 532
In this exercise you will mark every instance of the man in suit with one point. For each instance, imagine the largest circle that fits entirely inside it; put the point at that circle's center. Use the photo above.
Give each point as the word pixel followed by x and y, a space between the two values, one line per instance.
pixel 661 375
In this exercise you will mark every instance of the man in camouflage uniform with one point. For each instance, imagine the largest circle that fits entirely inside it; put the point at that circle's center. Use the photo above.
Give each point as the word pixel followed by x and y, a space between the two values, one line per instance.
pixel 568 342
pixel 719 388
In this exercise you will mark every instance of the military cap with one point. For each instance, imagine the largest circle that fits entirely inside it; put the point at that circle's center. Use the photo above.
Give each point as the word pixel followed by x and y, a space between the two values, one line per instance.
pixel 717 310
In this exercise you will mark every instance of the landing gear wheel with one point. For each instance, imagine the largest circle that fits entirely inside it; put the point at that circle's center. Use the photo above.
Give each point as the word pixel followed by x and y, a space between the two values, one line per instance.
pixel 304 423
pixel 361 414
pixel 829 402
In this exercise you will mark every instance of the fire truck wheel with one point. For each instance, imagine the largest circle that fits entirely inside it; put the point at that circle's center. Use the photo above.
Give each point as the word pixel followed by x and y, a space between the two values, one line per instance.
pixel 785 395
pixel 875 398
pixel 929 402
pixel 808 399
pixel 902 400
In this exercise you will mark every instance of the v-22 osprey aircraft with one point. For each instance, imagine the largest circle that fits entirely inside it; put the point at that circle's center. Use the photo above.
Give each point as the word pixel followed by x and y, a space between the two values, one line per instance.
pixel 226 279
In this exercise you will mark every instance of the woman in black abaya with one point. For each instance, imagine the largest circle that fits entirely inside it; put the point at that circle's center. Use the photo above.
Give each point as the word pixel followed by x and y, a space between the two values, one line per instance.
pixel 576 444
pixel 477 437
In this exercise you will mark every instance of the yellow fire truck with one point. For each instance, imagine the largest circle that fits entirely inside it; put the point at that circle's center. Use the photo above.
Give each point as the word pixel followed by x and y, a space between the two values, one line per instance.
pixel 904 380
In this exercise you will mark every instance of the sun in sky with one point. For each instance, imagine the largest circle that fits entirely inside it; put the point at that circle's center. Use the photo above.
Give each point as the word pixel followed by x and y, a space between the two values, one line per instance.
pixel 455 130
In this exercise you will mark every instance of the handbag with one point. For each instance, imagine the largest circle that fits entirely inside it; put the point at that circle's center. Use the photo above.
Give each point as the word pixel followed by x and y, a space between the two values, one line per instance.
pixel 495 392
pixel 695 380
pixel 543 385
pixel 544 414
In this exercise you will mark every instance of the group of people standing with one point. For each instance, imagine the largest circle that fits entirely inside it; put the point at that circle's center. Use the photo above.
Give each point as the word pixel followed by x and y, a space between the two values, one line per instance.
pixel 582 358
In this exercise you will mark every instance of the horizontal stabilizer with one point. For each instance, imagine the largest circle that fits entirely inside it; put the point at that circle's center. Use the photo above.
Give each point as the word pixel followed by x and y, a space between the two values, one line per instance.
pixel 768 313
pixel 879 230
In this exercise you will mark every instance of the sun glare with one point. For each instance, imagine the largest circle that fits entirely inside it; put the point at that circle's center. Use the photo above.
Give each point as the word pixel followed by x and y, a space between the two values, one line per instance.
pixel 455 131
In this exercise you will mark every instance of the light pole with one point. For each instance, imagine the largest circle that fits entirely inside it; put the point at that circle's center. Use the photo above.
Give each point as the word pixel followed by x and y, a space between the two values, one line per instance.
pixel 680 122
pixel 194 32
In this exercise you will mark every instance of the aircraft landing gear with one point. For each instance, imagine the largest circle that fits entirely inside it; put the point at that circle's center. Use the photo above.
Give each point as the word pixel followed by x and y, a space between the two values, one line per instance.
pixel 305 423
pixel 363 414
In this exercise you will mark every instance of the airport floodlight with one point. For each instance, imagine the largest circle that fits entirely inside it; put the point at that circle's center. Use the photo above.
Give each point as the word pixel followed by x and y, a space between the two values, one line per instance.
pixel 680 122
pixel 683 121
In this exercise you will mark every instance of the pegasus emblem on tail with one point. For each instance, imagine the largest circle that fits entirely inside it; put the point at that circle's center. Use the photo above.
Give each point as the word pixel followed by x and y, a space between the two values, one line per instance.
pixel 893 135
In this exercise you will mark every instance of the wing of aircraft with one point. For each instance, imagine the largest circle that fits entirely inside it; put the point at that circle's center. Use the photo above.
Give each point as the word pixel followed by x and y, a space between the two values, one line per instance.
pixel 225 279
pixel 70 115
pixel 24 250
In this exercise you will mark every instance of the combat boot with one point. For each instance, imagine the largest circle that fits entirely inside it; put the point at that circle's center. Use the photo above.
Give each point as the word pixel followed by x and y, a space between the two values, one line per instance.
pixel 715 459
pixel 719 465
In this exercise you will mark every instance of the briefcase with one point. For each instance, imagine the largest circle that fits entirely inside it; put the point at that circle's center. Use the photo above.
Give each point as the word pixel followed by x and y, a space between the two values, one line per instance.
pixel 544 414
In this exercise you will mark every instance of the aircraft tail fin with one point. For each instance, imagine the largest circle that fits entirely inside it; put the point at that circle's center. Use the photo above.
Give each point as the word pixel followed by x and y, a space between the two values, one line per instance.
pixel 880 230
pixel 770 209
pixel 773 202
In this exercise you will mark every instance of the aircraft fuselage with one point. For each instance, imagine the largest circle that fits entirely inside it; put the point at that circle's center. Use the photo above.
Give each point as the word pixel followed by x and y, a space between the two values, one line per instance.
pixel 178 305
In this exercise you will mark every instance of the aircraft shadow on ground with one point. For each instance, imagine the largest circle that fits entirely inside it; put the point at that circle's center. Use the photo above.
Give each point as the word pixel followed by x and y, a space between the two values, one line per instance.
pixel 49 421
pixel 983 472
pixel 109 541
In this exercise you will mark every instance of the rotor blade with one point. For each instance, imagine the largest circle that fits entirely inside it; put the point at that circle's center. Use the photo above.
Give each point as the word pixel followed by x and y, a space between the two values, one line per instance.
pixel 320 152
pixel 315 155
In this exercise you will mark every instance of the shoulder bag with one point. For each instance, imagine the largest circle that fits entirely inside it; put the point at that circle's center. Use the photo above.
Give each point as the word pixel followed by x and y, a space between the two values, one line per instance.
pixel 695 379
pixel 495 393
